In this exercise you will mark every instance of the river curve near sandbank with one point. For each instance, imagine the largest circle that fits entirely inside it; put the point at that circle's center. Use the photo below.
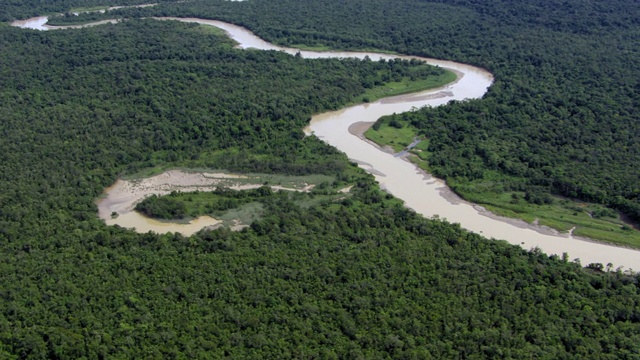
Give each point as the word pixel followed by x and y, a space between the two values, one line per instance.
pixel 422 193
pixel 117 205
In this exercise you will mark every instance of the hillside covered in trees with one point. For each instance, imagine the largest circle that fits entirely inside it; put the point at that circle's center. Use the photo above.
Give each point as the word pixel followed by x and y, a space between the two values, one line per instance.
pixel 356 278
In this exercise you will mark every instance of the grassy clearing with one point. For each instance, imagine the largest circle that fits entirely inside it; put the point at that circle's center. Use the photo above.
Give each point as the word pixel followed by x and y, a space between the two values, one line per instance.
pixel 387 135
pixel 310 47
pixel 319 47
pixel 307 201
pixel 588 220
pixel 244 214
pixel 399 138
pixel 62 21
pixel 208 29
pixel 289 181
pixel 239 207
pixel 422 150
pixel 406 86
pixel 560 214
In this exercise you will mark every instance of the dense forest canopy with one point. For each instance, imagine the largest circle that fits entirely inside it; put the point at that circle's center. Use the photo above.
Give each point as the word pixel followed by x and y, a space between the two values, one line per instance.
pixel 562 116
pixel 356 278
pixel 22 9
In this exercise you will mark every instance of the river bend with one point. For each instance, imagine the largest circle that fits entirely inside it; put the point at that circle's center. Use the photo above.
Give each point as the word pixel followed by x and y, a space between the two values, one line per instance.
pixel 420 192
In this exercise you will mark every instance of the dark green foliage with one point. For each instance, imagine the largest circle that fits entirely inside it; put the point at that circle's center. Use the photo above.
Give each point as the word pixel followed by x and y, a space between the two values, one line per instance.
pixel 360 281
pixel 177 205
pixel 376 125
pixel 22 9
pixel 562 113
pixel 535 196
pixel 396 124
pixel 601 213
pixel 81 107
pixel 164 207
pixel 361 278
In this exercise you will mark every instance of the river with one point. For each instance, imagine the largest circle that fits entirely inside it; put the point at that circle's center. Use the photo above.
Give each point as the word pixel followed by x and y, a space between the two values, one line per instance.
pixel 422 193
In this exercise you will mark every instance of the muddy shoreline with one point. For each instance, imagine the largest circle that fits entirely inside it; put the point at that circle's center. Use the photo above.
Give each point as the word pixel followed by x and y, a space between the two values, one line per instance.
pixel 421 192
pixel 358 129
pixel 117 203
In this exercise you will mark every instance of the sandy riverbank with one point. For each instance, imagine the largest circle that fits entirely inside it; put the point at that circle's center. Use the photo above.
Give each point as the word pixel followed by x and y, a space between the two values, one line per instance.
pixel 358 129
pixel 116 206
pixel 427 196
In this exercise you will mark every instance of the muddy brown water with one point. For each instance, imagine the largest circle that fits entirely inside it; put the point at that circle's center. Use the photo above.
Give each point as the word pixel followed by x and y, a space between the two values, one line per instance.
pixel 421 192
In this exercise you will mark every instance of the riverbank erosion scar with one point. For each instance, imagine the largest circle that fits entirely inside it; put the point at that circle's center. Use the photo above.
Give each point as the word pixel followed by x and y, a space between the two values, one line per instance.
pixel 424 194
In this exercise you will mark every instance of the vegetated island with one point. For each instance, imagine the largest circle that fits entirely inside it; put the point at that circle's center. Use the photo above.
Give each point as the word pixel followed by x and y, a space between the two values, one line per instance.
pixel 572 216
pixel 188 201
pixel 523 151
pixel 362 278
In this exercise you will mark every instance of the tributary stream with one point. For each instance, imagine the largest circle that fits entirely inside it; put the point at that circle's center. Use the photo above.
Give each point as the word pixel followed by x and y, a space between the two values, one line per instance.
pixel 422 193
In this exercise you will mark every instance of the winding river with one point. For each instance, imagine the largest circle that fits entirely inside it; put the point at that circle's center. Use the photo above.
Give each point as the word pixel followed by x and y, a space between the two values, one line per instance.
pixel 422 193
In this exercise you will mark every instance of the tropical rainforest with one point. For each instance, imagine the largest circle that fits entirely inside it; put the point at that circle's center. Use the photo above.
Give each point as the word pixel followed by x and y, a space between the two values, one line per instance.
pixel 360 277
pixel 561 117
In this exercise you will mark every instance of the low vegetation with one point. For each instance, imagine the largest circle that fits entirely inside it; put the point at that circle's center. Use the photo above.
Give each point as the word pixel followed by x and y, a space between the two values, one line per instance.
pixel 418 78
pixel 222 202
pixel 532 204
pixel 359 277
